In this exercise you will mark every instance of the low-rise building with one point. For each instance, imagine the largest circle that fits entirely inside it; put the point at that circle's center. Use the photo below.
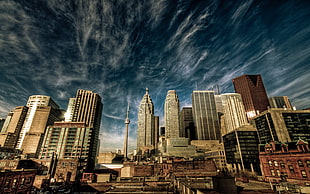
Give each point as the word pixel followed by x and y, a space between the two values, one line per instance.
pixel 16 181
pixel 286 162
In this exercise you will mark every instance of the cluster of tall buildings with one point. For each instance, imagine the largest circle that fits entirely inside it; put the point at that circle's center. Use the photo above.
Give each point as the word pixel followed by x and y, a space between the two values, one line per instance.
pixel 238 122
pixel 227 128
pixel 42 130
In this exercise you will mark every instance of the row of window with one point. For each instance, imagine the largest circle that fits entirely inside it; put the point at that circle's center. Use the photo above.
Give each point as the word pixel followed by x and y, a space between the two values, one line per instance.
pixel 278 173
pixel 299 162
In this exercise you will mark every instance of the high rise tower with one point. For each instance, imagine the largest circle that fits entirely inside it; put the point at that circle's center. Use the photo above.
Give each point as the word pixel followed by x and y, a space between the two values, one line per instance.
pixel 146 139
pixel 87 108
pixel 127 121
pixel 234 112
pixel 11 133
pixel 187 127
pixel 42 111
pixel 205 115
pixel 253 93
pixel 172 115
pixel 78 136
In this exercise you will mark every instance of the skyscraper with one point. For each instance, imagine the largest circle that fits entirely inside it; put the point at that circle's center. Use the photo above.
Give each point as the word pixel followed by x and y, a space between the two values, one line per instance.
pixel 78 136
pixel 172 115
pixel 146 139
pixel 253 93
pixel 42 111
pixel 87 108
pixel 280 102
pixel 11 132
pixel 205 115
pixel 187 127
pixel 234 113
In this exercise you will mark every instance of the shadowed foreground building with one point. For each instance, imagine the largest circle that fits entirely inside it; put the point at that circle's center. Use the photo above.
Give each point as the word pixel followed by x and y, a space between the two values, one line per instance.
pixel 241 149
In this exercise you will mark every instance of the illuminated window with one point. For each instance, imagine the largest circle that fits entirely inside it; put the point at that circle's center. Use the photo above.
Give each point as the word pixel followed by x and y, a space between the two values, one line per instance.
pixel 272 173
pixel 291 168
pixel 300 164
pixel 282 164
pixel 278 172
pixel 304 174
pixel 270 163
pixel 275 163
pixel 308 163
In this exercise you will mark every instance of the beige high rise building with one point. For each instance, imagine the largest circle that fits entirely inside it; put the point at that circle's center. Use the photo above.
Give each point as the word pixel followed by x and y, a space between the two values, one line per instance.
pixel 78 136
pixel 42 111
pixel 10 134
pixel 146 139
pixel 205 115
pixel 172 115
pixel 234 112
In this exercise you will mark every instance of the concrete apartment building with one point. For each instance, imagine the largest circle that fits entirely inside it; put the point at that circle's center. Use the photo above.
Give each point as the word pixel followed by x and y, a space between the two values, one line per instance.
pixel 78 137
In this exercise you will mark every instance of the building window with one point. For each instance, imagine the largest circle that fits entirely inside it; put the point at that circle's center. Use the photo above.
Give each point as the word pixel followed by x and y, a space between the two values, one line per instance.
pixel 272 172
pixel 14 183
pixel 270 163
pixel 28 180
pixel 291 168
pixel 278 172
pixel 282 164
pixel 300 164
pixel 304 174
pixel 308 163
pixel 275 163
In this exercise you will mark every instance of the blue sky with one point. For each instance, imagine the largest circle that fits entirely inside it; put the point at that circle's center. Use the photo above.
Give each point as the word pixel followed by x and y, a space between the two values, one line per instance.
pixel 118 48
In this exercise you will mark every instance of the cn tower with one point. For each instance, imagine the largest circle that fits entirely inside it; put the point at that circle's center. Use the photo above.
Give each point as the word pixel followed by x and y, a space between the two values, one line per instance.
pixel 127 121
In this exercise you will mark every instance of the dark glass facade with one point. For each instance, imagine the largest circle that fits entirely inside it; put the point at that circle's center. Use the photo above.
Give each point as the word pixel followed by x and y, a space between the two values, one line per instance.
pixel 241 148
pixel 298 125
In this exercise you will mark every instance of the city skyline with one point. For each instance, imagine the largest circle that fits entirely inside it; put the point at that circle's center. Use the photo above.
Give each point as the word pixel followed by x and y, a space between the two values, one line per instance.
pixel 54 48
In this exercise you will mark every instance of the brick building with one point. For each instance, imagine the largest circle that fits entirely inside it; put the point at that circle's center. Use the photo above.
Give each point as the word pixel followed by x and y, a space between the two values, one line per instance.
pixel 17 181
pixel 286 161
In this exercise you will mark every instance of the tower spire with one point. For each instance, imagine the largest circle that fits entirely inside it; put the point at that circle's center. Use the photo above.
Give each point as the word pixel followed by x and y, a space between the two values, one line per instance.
pixel 127 121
